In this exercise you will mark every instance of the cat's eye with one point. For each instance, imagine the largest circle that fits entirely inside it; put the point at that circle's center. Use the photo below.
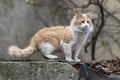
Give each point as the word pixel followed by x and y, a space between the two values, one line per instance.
pixel 82 21
pixel 88 21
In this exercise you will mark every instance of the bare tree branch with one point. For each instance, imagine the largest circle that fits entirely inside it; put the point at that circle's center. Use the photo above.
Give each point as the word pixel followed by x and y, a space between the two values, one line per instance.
pixel 111 15
pixel 94 38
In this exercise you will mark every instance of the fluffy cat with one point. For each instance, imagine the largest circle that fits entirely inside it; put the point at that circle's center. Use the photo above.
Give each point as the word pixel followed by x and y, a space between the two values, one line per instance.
pixel 65 38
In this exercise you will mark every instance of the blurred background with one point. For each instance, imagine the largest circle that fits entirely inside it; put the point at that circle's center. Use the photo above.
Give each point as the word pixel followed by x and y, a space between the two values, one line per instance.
pixel 21 19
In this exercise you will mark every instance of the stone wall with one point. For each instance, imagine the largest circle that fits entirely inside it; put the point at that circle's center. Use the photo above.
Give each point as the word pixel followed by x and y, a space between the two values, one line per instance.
pixel 36 70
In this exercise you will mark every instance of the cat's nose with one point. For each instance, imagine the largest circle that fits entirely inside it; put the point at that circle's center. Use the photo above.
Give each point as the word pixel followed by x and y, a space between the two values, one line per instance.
pixel 86 26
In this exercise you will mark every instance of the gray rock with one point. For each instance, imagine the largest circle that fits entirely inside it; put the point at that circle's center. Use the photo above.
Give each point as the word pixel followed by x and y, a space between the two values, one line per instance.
pixel 36 70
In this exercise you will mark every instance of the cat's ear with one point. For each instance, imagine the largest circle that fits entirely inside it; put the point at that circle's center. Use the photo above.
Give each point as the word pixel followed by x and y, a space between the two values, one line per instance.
pixel 92 16
pixel 77 14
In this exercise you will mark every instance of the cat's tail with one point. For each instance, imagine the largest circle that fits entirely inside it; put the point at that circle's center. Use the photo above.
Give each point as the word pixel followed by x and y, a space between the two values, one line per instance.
pixel 18 54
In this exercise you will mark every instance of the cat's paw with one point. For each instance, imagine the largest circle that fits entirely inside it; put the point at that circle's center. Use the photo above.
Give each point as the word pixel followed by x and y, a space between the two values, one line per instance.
pixel 51 56
pixel 54 57
pixel 77 60
pixel 69 60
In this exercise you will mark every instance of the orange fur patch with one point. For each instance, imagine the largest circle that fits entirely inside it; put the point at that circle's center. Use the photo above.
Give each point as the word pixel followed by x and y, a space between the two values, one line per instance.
pixel 52 35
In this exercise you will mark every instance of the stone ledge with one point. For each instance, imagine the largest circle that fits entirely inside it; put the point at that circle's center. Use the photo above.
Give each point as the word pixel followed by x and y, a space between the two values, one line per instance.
pixel 36 70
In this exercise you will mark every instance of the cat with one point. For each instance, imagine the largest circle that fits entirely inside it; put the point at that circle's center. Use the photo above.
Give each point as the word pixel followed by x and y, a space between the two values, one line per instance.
pixel 65 38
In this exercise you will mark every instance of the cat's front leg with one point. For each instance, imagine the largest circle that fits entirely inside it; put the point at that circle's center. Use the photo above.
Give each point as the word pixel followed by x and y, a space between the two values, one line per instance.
pixel 77 52
pixel 67 49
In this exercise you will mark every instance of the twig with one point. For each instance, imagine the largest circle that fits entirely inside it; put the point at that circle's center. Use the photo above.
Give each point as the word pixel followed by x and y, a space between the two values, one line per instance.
pixel 94 39
pixel 118 20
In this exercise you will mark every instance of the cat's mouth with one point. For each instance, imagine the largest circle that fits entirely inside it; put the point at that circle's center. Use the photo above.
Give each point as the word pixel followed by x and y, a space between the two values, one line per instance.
pixel 84 29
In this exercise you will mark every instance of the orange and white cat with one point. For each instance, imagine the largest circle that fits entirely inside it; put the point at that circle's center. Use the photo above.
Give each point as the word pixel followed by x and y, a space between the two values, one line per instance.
pixel 65 38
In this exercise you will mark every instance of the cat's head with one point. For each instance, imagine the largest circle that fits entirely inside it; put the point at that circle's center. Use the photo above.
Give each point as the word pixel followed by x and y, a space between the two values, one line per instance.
pixel 82 22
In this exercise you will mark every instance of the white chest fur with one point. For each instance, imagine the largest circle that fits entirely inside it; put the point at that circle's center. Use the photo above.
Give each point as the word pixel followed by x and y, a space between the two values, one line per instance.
pixel 83 38
pixel 79 39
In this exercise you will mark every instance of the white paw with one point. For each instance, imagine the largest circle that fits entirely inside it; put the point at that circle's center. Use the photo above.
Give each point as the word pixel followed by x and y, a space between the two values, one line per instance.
pixel 69 60
pixel 51 56
pixel 54 57
pixel 77 60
